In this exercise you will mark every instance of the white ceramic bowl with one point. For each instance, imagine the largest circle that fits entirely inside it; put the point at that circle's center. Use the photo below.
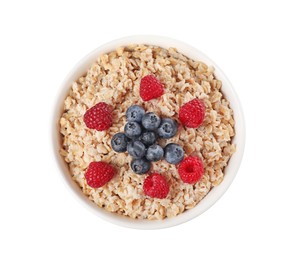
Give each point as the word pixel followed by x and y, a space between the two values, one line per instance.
pixel 230 171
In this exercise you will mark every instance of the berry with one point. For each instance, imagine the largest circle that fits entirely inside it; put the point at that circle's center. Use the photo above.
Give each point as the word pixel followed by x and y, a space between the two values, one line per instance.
pixel 151 121
pixel 132 130
pixel 98 117
pixel 174 153
pixel 140 166
pixel 154 153
pixel 148 138
pixel 191 169
pixel 192 114
pixel 136 149
pixel 135 113
pixel 168 128
pixel 150 88
pixel 98 174
pixel 156 186
pixel 119 142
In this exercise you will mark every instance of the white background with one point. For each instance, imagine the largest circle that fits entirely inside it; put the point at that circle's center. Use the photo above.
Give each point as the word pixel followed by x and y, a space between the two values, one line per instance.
pixel 40 43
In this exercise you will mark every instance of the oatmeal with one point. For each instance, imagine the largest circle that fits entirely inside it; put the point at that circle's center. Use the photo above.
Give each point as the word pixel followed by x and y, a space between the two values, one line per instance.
pixel 115 79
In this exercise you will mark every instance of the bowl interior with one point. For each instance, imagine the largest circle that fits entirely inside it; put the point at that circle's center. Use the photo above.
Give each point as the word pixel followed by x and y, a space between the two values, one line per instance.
pixel 230 171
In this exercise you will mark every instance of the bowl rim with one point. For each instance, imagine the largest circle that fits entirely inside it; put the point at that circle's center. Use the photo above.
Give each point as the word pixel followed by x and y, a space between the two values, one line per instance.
pixel 214 194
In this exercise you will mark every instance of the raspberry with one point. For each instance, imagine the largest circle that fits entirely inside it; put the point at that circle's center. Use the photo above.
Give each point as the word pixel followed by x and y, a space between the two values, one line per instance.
pixel 156 186
pixel 191 169
pixel 98 117
pixel 98 174
pixel 150 88
pixel 192 114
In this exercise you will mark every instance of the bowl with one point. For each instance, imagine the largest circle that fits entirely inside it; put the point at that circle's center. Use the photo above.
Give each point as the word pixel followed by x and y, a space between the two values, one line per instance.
pixel 230 171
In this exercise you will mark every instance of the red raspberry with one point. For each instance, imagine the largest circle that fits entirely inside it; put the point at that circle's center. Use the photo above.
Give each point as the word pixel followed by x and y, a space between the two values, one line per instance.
pixel 191 169
pixel 192 114
pixel 98 117
pixel 156 186
pixel 150 88
pixel 98 174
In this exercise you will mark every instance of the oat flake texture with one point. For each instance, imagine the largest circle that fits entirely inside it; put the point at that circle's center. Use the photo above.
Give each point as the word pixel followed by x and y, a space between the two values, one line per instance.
pixel 115 78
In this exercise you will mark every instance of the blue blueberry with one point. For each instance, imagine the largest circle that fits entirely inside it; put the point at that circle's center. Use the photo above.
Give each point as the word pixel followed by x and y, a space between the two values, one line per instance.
pixel 119 142
pixel 154 153
pixel 136 149
pixel 132 130
pixel 168 128
pixel 151 121
pixel 135 113
pixel 174 153
pixel 148 138
pixel 140 166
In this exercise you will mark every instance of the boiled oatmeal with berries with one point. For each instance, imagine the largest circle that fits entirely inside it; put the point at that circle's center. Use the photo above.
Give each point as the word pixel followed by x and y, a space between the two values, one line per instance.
pixel 147 132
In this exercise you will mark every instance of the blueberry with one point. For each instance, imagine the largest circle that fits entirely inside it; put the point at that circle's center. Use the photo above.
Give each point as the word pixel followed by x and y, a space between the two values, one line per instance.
pixel 136 149
pixel 132 130
pixel 154 153
pixel 148 138
pixel 119 142
pixel 151 121
pixel 168 128
pixel 174 153
pixel 140 166
pixel 135 113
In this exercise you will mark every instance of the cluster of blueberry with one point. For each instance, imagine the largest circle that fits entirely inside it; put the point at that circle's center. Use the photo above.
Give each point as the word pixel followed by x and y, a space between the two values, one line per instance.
pixel 140 139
